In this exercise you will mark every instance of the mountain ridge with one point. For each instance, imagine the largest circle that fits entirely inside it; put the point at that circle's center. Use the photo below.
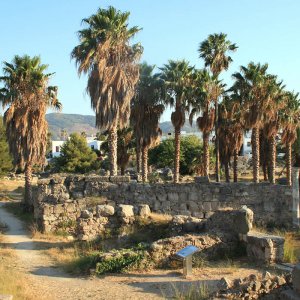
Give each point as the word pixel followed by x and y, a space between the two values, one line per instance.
pixel 86 123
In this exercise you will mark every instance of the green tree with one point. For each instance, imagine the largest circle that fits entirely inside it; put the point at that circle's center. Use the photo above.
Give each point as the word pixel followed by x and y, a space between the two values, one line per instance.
pixel 5 158
pixel 190 155
pixel 111 63
pixel 76 156
pixel 214 50
pixel 27 95
pixel 177 76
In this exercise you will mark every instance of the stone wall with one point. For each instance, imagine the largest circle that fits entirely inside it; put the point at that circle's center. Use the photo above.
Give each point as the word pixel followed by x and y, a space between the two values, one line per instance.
pixel 62 198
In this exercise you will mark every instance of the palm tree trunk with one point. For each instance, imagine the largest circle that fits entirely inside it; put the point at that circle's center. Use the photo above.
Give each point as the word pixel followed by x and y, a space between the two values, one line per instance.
pixel 272 166
pixel 265 171
pixel 145 164
pixel 206 153
pixel 289 163
pixel 138 159
pixel 235 166
pixel 28 205
pixel 122 170
pixel 217 142
pixel 227 176
pixel 177 156
pixel 112 141
pixel 255 154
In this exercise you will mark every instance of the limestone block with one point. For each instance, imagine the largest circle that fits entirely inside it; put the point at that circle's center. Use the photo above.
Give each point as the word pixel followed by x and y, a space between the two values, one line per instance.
pixel 193 196
pixel 296 278
pixel 105 210
pixel 207 206
pixel 201 179
pixel 173 197
pixel 125 211
pixel 192 206
pixel 197 214
pixel 143 210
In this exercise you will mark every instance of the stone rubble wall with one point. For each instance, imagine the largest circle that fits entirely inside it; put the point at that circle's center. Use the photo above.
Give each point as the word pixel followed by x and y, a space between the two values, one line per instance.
pixel 59 199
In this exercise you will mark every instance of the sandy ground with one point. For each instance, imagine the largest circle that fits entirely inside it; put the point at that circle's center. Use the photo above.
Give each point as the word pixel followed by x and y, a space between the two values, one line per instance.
pixel 49 282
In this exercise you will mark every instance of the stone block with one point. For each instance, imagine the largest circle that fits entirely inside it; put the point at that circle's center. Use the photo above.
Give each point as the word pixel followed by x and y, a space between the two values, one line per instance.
pixel 193 196
pixel 143 210
pixel 125 211
pixel 207 206
pixel 173 197
pixel 201 179
pixel 296 278
pixel 105 210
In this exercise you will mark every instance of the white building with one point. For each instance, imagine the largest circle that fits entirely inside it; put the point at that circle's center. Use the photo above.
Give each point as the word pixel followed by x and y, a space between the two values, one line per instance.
pixel 91 142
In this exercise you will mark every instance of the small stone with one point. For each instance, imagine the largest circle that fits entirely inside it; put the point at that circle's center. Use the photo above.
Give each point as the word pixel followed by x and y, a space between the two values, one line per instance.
pixel 266 275
pixel 224 284
pixel 85 214
pixel 280 280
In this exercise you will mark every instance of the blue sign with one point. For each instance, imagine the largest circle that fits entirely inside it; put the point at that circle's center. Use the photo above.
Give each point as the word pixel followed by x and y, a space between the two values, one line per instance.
pixel 187 251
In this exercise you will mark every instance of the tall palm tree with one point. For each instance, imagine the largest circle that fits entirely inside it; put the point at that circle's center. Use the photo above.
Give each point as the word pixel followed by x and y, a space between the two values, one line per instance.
pixel 231 132
pixel 214 50
pixel 27 95
pixel 177 77
pixel 146 110
pixel 205 89
pixel 253 84
pixel 272 121
pixel 111 63
pixel 290 118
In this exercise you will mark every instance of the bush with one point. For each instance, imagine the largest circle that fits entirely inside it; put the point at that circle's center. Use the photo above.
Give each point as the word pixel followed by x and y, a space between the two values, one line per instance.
pixel 191 151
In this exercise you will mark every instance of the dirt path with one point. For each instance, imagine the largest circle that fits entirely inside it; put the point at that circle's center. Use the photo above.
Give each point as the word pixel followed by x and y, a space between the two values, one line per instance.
pixel 50 282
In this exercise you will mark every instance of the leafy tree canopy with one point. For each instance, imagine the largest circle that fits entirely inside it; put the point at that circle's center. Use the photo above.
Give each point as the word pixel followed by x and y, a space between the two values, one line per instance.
pixel 190 154
pixel 5 158
pixel 76 156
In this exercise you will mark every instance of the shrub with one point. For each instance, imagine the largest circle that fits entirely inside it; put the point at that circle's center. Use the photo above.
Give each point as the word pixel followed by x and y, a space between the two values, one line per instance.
pixel 191 151
pixel 76 156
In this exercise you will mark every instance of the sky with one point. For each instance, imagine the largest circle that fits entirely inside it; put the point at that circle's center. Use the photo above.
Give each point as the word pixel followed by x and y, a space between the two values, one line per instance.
pixel 264 31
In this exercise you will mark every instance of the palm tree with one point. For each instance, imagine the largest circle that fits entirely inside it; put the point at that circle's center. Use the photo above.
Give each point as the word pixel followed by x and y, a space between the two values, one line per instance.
pixel 214 50
pixel 146 111
pixel 272 123
pixel 290 117
pixel 104 53
pixel 177 77
pixel 231 132
pixel 206 88
pixel 27 95
pixel 253 85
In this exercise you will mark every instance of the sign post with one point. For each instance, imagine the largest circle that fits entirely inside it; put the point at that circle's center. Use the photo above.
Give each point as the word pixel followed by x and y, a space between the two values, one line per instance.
pixel 186 254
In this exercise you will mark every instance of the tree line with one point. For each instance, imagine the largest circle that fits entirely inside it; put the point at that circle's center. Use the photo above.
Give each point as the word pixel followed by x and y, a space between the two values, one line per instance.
pixel 124 92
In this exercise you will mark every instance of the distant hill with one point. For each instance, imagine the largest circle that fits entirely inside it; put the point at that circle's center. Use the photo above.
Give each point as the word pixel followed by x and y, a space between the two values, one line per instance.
pixel 79 123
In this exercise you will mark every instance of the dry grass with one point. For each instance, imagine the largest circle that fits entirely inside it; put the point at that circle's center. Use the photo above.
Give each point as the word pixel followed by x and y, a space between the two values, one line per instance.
pixel 160 218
